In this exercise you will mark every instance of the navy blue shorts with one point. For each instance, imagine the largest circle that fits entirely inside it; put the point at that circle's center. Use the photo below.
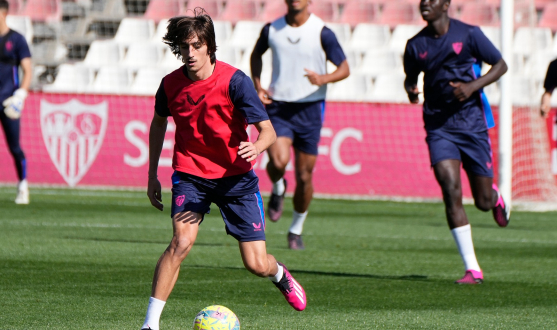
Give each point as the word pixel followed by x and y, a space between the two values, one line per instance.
pixel 243 214
pixel 301 122
pixel 472 149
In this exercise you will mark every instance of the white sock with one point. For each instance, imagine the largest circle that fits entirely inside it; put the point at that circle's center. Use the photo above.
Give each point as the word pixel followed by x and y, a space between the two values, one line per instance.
pixel 154 312
pixel 278 187
pixel 278 275
pixel 297 225
pixel 22 185
pixel 463 238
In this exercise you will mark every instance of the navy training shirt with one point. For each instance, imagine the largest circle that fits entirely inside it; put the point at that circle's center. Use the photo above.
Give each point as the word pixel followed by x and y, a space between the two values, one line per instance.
pixel 449 58
pixel 15 49
pixel 241 92
pixel 550 81
pixel 329 42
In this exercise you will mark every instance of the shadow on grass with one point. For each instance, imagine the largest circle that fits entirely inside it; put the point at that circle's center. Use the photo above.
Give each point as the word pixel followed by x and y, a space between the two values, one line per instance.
pixel 119 240
pixel 411 277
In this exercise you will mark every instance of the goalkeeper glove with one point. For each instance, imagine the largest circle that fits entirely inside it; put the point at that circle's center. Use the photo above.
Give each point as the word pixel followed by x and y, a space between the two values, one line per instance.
pixel 14 104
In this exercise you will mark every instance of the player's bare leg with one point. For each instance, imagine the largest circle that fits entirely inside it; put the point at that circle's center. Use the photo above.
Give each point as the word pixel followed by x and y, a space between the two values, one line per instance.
pixel 447 173
pixel 303 194
pixel 487 197
pixel 185 227
pixel 258 262
pixel 279 156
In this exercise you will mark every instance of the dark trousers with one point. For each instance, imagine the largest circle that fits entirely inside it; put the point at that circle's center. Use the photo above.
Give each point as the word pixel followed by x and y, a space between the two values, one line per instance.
pixel 11 131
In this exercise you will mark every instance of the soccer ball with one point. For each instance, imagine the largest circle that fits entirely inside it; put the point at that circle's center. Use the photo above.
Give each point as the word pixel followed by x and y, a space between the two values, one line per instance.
pixel 216 317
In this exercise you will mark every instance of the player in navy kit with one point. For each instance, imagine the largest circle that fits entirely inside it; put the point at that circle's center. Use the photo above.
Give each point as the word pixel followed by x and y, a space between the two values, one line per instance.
pixel 212 104
pixel 295 101
pixel 446 50
pixel 549 85
pixel 14 52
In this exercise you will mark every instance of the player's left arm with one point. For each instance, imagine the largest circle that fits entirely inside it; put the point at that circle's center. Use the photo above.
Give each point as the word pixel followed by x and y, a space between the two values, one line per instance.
pixel 336 55
pixel 484 51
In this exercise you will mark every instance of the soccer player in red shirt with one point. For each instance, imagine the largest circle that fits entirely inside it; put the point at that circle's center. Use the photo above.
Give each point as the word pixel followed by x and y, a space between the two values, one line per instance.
pixel 211 103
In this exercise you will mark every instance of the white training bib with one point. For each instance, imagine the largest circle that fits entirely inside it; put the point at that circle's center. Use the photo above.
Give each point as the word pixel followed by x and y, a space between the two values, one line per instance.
pixel 295 49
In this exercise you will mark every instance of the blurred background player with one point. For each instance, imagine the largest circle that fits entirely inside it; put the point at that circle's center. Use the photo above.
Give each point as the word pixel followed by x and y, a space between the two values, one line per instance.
pixel 445 50
pixel 295 101
pixel 549 85
pixel 211 103
pixel 14 52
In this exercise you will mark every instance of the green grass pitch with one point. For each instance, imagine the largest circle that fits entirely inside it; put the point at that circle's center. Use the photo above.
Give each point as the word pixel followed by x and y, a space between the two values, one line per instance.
pixel 84 259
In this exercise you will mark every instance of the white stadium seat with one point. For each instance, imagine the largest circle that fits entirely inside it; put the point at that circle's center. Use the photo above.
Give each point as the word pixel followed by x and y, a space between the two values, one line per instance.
pixel 389 88
pixel 134 29
pixel 170 61
pixel 342 32
pixel 111 80
pixel 229 55
pixel 147 81
pixel 356 87
pixel 381 62
pixel 525 91
pixel 400 36
pixel 223 32
pixel 369 36
pixel 160 31
pixel 71 79
pixel 245 35
pixel 103 53
pixel 532 40
pixel 142 54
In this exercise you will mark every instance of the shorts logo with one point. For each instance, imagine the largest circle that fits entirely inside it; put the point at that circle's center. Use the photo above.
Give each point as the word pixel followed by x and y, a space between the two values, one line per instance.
pixel 489 165
pixel 180 200
pixel 256 226
pixel 192 102
pixel 423 55
pixel 457 47
pixel 73 133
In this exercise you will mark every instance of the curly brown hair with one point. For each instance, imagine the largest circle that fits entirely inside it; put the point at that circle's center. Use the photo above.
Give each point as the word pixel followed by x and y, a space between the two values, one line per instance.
pixel 183 28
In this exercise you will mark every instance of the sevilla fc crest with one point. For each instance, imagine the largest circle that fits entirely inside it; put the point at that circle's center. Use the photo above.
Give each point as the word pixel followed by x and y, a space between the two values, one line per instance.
pixel 73 133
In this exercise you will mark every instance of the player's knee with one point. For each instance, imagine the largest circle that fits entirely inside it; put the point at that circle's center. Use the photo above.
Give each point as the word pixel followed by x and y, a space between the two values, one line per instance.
pixel 16 152
pixel 279 163
pixel 304 176
pixel 258 267
pixel 180 247
pixel 483 203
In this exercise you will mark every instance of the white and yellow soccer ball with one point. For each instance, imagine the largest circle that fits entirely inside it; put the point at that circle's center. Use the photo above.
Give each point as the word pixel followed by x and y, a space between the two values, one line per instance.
pixel 216 317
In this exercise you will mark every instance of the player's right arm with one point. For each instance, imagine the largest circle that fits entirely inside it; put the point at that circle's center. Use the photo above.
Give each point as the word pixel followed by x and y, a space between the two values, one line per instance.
pixel 256 63
pixel 412 71
pixel 156 140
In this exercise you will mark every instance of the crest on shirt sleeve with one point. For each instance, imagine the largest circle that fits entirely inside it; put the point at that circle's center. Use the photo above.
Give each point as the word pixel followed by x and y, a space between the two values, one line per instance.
pixel 457 47
pixel 73 133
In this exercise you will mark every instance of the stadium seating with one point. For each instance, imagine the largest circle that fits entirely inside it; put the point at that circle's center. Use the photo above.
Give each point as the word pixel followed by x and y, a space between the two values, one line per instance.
pixel 369 36
pixel 169 61
pixel 212 7
pixel 272 10
pixel 111 80
pixel 389 87
pixel 71 79
pixel 536 65
pixel 358 11
pixel 135 30
pixel 549 16
pixel 229 55
pixel 158 10
pixel 479 13
pixel 43 10
pixel 15 6
pixel 378 62
pixel 239 10
pixel 102 53
pixel 142 54
pixel 160 30
pixel 245 35
pixel 356 87
pixel 525 14
pixel 395 13
pixel 223 31
pixel 147 81
pixel 524 90
pixel 21 24
pixel 528 40
pixel 327 10
pixel 400 36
